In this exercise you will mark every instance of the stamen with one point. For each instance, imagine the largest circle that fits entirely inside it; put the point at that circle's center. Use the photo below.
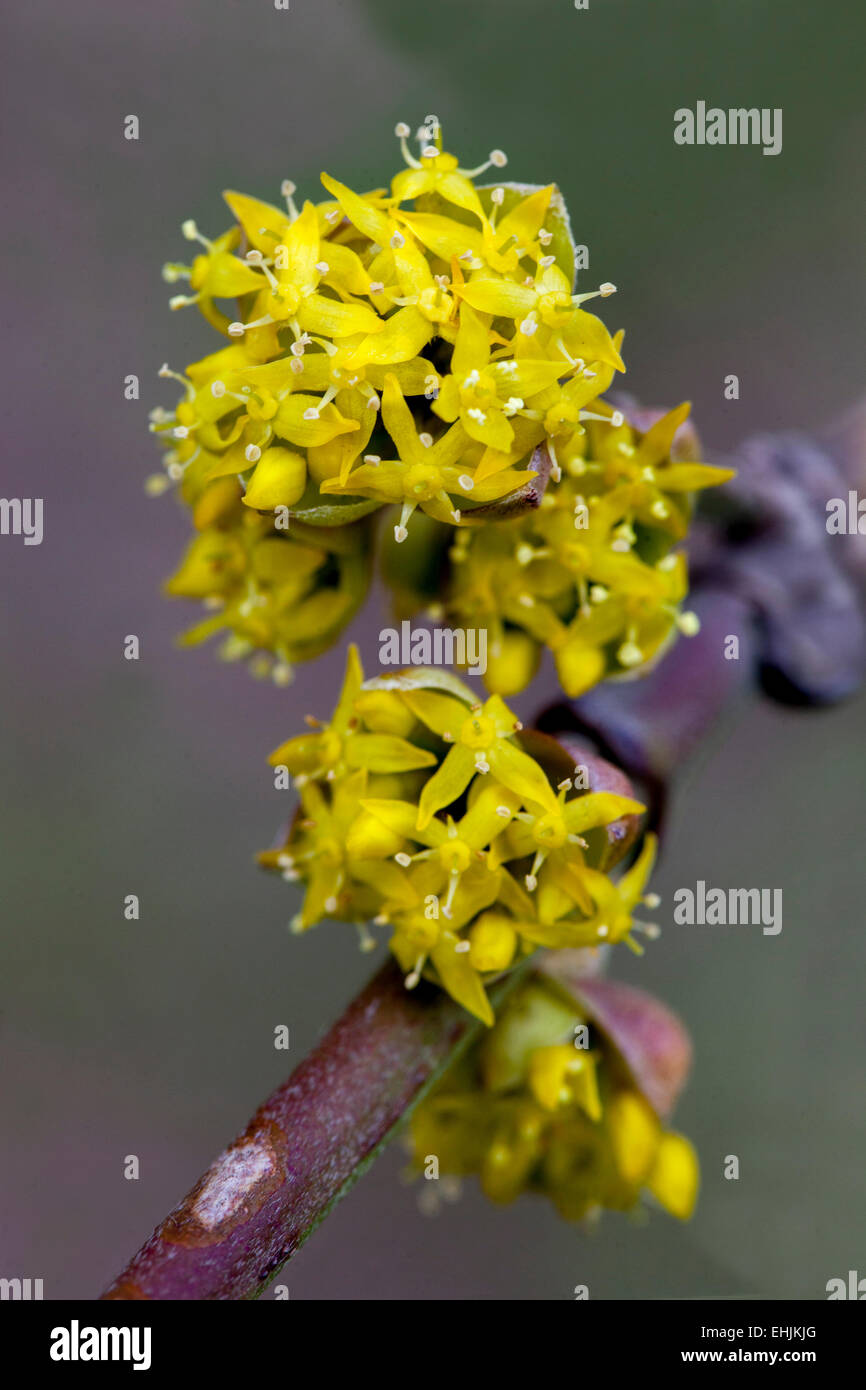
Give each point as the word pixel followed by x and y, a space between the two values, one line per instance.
pixel 166 371
pixel 191 233
pixel 367 941
pixel 604 290
pixel 237 329
pixel 288 190
pixel 497 159
pixel 257 259
pixel 400 531
pixel 402 131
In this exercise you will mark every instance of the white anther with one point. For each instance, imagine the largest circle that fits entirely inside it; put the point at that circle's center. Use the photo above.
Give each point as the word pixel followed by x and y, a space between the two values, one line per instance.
pixel 498 159
pixel 630 654
pixel 252 453
pixel 606 289
pixel 466 482
pixel 402 131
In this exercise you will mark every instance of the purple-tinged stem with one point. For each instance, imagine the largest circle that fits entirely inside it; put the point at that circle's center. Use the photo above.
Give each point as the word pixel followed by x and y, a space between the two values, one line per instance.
pixel 303 1149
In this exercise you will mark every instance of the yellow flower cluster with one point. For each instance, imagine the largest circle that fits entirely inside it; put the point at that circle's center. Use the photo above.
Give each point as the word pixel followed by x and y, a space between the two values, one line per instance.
pixel 428 357
pixel 592 574
pixel 528 1110
pixel 429 813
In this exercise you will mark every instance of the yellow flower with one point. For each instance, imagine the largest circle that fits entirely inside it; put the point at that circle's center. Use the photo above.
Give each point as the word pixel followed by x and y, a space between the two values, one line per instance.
pixel 484 394
pixel 436 172
pixel 342 743
pixel 427 472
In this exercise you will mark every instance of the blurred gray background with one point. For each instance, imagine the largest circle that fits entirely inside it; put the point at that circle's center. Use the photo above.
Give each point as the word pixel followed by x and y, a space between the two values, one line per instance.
pixel 155 1038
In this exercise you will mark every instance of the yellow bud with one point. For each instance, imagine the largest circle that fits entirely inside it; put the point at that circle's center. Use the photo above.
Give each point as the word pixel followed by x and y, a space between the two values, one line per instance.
pixel 492 942
pixel 278 481
pixel 514 664
pixel 634 1133
pixel 675 1176
pixel 578 667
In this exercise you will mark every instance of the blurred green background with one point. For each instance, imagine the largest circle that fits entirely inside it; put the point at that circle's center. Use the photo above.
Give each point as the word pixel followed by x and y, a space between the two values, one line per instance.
pixel 155 1038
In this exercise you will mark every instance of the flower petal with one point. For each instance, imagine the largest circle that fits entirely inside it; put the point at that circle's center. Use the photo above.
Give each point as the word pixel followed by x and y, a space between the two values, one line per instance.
pixel 386 753
pixel 449 782
pixel 461 979
pixel 519 772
